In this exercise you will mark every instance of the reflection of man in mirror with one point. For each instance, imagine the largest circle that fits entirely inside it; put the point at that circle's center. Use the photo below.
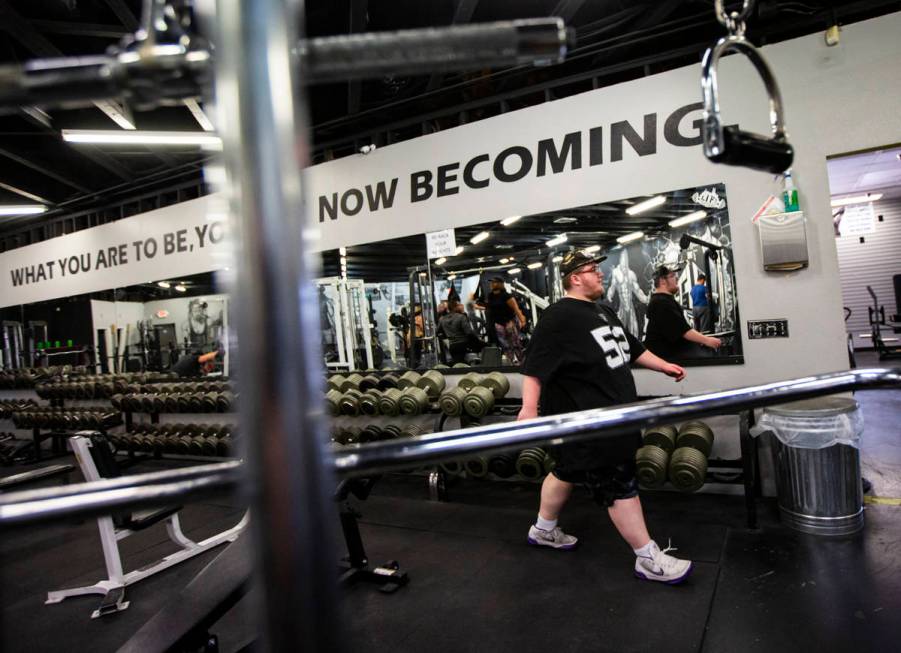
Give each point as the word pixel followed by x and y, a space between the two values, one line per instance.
pixel 669 335
pixel 700 307
pixel 504 313
pixel 198 322
pixel 624 282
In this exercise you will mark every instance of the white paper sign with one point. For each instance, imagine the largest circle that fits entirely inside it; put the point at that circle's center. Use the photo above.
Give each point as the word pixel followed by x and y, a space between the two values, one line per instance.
pixel 441 243
pixel 858 219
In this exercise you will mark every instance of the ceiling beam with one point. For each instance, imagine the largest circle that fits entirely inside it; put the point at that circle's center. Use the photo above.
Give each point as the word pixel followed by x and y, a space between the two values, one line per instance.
pixel 24 193
pixel 359 21
pixel 43 168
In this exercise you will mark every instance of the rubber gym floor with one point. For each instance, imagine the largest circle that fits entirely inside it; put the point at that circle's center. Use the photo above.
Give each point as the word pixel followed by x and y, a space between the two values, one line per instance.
pixel 477 586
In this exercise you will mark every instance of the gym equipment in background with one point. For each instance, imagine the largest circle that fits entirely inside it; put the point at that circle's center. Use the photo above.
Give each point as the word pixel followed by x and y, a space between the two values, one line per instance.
pixel 876 314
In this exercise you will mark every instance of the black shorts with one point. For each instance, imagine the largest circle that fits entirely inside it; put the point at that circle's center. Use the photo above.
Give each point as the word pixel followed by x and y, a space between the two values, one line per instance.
pixel 608 469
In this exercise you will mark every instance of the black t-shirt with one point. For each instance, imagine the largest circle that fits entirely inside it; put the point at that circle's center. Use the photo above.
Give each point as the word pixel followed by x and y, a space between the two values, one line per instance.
pixel 666 326
pixel 581 353
pixel 498 309
pixel 188 365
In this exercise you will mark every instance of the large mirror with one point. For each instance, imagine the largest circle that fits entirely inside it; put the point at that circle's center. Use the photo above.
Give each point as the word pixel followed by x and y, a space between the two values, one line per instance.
pixel 388 305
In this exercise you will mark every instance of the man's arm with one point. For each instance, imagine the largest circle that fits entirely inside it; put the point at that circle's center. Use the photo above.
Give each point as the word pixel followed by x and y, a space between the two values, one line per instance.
pixel 707 341
pixel 531 391
pixel 653 362
pixel 519 316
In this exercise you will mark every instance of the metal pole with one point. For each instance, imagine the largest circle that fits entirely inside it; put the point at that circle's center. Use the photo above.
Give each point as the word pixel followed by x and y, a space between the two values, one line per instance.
pixel 262 121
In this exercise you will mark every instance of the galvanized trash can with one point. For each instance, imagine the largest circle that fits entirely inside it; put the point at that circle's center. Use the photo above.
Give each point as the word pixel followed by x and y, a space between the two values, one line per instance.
pixel 816 454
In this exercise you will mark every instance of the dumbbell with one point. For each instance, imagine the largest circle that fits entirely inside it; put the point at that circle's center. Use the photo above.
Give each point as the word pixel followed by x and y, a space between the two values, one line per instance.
pixel 369 402
pixel 408 380
pixel 498 383
pixel 210 402
pixel 389 402
pixel 224 446
pixel 662 435
pixel 413 401
pixel 391 431
pixel 478 402
pixel 369 382
pixel 388 381
pixel 332 399
pixel 530 463
pixel 460 365
pixel 451 402
pixel 652 464
pixel 334 381
pixel 469 380
pixel 477 467
pixel 351 435
pixel 432 382
pixel 371 433
pixel 687 469
pixel 412 431
pixel 502 465
pixel 349 404
pixel 225 401
pixel 352 382
pixel 184 402
pixel 452 467
pixel 696 435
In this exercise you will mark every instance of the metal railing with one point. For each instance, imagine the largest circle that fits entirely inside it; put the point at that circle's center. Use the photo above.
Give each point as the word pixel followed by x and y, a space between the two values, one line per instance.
pixel 167 486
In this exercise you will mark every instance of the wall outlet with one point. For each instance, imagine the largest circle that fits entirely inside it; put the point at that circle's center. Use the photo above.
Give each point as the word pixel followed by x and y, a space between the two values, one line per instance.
pixel 758 329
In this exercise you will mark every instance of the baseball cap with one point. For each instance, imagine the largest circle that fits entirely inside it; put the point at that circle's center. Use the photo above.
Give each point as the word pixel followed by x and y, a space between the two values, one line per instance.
pixel 575 259
pixel 663 270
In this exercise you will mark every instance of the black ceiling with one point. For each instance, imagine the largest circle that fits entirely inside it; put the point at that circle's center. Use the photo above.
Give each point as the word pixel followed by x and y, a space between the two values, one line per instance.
pixel 87 185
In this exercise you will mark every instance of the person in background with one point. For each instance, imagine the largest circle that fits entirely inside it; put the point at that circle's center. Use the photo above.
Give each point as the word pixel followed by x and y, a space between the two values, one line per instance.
pixel 506 319
pixel 700 307
pixel 668 334
pixel 457 328
pixel 579 358
pixel 195 363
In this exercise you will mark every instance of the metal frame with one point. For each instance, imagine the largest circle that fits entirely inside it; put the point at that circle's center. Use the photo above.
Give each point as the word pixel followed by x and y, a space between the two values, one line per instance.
pixel 353 320
pixel 113 586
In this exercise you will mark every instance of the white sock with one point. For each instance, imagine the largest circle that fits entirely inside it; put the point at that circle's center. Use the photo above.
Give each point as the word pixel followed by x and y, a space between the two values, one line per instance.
pixel 545 524
pixel 649 550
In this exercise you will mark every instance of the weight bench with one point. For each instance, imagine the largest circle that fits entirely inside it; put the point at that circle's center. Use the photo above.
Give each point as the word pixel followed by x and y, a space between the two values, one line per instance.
pixel 97 461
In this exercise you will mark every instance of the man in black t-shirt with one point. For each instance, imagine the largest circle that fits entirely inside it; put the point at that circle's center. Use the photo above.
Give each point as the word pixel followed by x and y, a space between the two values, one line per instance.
pixel 579 359
pixel 194 363
pixel 668 334
pixel 505 318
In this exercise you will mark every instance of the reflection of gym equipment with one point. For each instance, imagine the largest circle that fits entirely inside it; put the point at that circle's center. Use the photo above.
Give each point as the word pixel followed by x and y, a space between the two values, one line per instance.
pixel 423 347
pixel 876 315
pixel 12 345
pixel 353 331
pixel 717 277
pixel 536 302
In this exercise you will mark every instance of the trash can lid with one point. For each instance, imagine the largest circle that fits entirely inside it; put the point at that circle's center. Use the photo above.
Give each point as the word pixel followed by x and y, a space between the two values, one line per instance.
pixel 816 407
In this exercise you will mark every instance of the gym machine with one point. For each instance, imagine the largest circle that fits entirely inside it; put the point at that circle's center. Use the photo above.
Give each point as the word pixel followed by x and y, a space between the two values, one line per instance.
pixel 536 302
pixel 12 345
pixel 423 329
pixel 353 330
pixel 714 270
pixel 876 316
pixel 163 63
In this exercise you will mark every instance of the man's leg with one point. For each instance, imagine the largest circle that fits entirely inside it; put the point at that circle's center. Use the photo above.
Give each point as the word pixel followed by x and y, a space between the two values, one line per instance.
pixel 628 518
pixel 651 563
pixel 545 532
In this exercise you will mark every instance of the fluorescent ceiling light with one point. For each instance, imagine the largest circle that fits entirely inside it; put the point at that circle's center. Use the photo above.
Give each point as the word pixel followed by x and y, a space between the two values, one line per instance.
pixel 592 249
pixel 557 240
pixel 857 199
pixel 440 261
pixel 628 238
pixel 451 277
pixel 641 207
pixel 163 284
pixel 22 209
pixel 109 137
pixel 565 220
pixel 342 251
pixel 533 266
pixel 459 250
pixel 685 219
pixel 508 221
pixel 343 260
pixel 514 271
pixel 504 260
pixel 479 237
pixel 180 288
pixel 557 259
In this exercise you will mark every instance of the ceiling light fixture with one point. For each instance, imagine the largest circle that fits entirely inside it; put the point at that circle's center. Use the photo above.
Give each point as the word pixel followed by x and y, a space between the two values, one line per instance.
pixel 556 240
pixel 22 209
pixel 534 266
pixel 342 251
pixel 163 284
pixel 592 249
pixel 180 288
pixel 440 261
pixel 686 219
pixel 343 260
pixel 557 259
pixel 514 271
pixel 504 260
pixel 508 221
pixel 108 137
pixel 647 205
pixel 451 277
pixel 857 199
pixel 479 237
pixel 628 238
pixel 459 250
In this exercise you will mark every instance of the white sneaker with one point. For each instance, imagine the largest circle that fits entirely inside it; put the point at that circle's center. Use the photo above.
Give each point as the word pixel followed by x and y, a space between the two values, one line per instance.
pixel 662 567
pixel 555 538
